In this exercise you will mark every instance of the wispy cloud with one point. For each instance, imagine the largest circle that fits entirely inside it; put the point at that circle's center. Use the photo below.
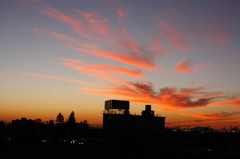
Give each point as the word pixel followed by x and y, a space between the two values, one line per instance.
pixel 55 77
pixel 188 68
pixel 105 78
pixel 211 116
pixel 121 14
pixel 101 69
pixel 144 60
pixel 215 32
pixel 87 15
pixel 235 101
pixel 88 28
pixel 228 101
pixel 185 67
pixel 204 65
pixel 131 58
pixel 206 121
pixel 95 29
pixel 171 99
pixel 169 32
pixel 59 36
pixel 132 46
pixel 59 95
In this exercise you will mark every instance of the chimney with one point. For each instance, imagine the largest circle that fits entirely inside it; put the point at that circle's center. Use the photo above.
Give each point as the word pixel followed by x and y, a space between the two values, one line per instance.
pixel 148 108
pixel 148 112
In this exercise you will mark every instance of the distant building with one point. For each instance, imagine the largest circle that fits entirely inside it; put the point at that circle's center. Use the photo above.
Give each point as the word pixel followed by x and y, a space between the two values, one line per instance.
pixel 116 118
pixel 202 129
pixel 23 123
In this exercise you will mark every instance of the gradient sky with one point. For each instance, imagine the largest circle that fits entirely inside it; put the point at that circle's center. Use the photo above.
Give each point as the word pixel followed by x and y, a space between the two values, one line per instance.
pixel 180 56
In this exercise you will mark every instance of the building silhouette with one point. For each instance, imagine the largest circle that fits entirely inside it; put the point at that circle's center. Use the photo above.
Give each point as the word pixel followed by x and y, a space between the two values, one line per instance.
pixel 117 119
pixel 23 123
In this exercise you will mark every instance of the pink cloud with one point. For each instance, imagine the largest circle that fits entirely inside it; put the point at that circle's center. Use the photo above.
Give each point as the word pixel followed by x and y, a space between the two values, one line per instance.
pixel 101 68
pixel 62 36
pixel 132 46
pixel 184 67
pixel 86 28
pixel 87 15
pixel 204 65
pixel 121 14
pixel 144 60
pixel 132 59
pixel 156 46
pixel 73 41
pixel 39 31
pixel 122 70
pixel 121 33
pixel 218 34
pixel 178 40
pixel 58 15
pixel 99 25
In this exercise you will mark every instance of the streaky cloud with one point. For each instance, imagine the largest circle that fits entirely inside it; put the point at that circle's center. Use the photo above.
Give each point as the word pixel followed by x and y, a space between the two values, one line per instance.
pixel 169 32
pixel 144 61
pixel 211 116
pixel 56 78
pixel 101 69
pixel 206 121
pixel 170 98
pixel 132 59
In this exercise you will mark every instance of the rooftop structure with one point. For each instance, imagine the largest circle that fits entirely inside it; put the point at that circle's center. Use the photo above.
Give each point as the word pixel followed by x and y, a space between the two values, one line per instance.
pixel 117 118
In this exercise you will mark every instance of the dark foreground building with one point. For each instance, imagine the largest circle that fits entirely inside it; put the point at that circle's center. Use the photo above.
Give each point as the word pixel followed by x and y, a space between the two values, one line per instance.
pixel 116 118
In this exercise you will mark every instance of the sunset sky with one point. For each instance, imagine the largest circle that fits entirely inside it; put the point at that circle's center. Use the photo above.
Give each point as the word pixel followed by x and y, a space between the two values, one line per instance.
pixel 180 56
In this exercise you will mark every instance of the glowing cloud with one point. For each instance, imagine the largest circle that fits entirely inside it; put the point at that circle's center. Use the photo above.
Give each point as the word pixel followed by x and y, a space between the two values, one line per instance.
pixel 94 28
pixel 233 101
pixel 100 69
pixel 132 59
pixel 210 116
pixel 99 25
pixel 184 67
pixel 143 60
pixel 171 98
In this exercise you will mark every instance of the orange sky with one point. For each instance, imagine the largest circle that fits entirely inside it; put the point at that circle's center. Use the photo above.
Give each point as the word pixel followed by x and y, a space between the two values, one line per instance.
pixel 182 57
